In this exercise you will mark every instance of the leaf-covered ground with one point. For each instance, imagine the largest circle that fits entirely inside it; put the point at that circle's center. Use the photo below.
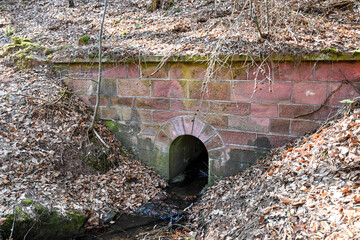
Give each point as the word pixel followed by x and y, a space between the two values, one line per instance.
pixel 46 156
pixel 185 27
pixel 310 190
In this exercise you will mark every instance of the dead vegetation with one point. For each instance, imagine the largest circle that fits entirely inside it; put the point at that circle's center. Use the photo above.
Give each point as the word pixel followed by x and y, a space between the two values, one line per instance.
pixel 46 155
pixel 308 190
pixel 195 27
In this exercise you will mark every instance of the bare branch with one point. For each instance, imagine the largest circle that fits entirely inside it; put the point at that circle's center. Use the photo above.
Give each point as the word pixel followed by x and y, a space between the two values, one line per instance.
pixel 100 70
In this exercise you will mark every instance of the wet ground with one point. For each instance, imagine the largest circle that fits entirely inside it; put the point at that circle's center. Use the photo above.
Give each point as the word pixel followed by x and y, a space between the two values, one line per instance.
pixel 155 216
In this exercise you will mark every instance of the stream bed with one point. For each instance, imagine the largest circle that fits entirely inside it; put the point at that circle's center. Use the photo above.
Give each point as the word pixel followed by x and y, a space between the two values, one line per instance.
pixel 154 216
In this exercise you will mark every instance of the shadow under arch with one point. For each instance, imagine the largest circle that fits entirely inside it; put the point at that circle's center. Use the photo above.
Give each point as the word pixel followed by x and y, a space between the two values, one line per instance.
pixel 190 126
pixel 188 160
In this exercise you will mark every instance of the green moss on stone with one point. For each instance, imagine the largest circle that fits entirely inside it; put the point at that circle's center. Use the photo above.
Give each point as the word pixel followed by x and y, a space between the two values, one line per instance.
pixel 356 53
pixel 83 40
pixel 331 51
pixel 44 224
pixel 21 51
pixel 27 201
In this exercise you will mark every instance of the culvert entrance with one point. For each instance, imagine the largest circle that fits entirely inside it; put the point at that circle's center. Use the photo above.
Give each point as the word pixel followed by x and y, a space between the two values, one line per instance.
pixel 188 165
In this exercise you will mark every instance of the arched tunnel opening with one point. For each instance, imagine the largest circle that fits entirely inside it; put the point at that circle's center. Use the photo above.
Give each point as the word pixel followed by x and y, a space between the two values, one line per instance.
pixel 189 165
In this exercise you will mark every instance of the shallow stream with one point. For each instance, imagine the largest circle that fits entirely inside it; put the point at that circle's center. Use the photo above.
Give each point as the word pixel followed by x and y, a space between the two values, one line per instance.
pixel 150 216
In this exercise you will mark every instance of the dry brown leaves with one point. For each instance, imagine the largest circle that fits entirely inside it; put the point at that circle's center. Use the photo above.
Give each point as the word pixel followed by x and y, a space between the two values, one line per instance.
pixel 43 142
pixel 186 27
pixel 308 191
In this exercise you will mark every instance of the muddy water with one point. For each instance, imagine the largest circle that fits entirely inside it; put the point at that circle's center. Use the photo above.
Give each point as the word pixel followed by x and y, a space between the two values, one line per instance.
pixel 153 215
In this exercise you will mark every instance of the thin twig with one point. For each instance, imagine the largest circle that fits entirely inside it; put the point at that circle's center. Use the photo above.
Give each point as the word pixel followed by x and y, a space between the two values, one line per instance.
pixel 101 140
pixel 100 70
pixel 13 224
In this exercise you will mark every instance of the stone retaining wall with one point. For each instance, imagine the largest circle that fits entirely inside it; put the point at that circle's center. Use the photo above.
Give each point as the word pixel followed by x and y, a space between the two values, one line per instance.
pixel 239 114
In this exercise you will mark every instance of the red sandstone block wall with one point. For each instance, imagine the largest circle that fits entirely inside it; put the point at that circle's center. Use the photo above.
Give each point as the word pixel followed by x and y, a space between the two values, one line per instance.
pixel 239 101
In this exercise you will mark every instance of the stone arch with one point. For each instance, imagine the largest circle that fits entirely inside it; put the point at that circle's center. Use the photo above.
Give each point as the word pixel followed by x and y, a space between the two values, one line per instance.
pixel 194 126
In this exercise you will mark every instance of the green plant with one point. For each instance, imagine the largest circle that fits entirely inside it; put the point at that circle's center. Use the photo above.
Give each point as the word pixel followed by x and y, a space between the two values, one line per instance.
pixel 125 32
pixel 85 38
pixel 332 51
pixel 356 53
pixel 349 101
pixel 9 31
pixel 27 201
pixel 177 10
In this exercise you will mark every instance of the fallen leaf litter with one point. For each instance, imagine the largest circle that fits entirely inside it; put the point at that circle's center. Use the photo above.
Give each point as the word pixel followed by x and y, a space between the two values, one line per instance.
pixel 43 134
pixel 308 190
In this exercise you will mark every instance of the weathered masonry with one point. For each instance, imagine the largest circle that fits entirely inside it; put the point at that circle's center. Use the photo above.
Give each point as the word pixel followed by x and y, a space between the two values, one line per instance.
pixel 238 114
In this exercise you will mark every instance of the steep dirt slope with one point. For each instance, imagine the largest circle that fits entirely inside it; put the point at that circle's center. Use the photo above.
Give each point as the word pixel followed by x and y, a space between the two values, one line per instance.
pixel 310 190
pixel 47 157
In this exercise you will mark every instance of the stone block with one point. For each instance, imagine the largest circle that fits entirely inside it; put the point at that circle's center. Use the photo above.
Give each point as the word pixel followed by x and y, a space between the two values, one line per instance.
pixel 215 120
pixel 145 156
pixel 73 70
pixel 121 101
pixel 241 154
pixel 189 105
pixel 300 128
pixel 214 143
pixel 189 71
pixel 198 127
pixel 280 126
pixel 338 71
pixel 160 163
pixel 169 89
pixel 207 133
pixel 178 126
pixel 251 124
pixel 170 130
pixel 145 142
pixel 264 110
pixel 230 108
pixel 81 86
pixel 239 160
pixel 90 71
pixel 215 170
pixel 133 87
pixel 103 101
pixel 219 154
pixel 277 140
pixel 150 70
pixel 152 103
pixel 244 91
pixel 235 71
pixel 108 87
pixel 163 138
pixel 188 124
pixel 309 93
pixel 133 70
pixel 292 111
pixel 346 91
pixel 325 112
pixel 292 71
pixel 239 138
pixel 126 114
pixel 260 74
pixel 115 71
pixel 149 129
pixel 211 90
pixel 164 116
